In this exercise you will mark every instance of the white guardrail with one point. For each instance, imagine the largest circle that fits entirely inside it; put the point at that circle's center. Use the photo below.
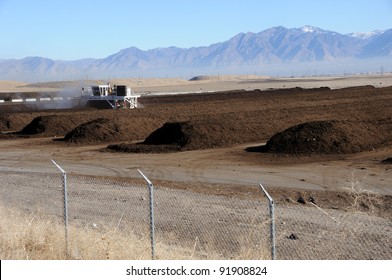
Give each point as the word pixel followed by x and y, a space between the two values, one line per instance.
pixel 37 99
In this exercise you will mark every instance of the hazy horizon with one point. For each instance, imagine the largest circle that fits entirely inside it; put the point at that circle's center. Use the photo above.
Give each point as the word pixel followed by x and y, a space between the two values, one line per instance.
pixel 72 30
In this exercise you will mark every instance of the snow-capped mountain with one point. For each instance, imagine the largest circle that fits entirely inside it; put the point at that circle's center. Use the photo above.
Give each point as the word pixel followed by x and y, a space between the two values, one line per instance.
pixel 290 47
pixel 366 35
pixel 379 45
pixel 312 29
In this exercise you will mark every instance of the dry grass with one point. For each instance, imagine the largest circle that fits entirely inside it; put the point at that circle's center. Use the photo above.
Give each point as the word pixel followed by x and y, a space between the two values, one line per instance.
pixel 35 236
pixel 24 236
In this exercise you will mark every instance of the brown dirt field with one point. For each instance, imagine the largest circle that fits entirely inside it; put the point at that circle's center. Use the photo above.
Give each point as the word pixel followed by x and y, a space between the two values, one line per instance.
pixel 223 144
pixel 223 131
pixel 243 116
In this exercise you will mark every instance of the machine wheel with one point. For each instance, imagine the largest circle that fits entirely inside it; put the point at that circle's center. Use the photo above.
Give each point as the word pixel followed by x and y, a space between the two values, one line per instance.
pixel 132 104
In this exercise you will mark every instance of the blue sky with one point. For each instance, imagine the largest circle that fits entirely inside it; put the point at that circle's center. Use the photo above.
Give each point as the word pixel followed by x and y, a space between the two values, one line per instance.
pixel 74 29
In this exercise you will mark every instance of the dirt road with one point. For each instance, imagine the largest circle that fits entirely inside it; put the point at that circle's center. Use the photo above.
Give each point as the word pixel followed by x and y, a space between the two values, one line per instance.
pixel 225 129
pixel 231 165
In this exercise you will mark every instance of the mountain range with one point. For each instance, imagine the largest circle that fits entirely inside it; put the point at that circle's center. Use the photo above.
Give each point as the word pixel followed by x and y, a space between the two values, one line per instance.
pixel 274 50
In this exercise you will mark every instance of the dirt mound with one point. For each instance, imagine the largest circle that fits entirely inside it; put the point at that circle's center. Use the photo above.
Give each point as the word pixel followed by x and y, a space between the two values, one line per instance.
pixel 226 118
pixel 190 135
pixel 119 125
pixel 5 123
pixel 318 137
pixel 187 135
pixel 14 122
pixel 387 161
pixel 200 78
pixel 111 129
pixel 98 130
pixel 329 137
pixel 176 133
pixel 51 125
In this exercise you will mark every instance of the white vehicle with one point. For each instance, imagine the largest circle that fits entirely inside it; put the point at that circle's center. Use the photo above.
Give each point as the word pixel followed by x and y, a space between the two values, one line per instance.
pixel 118 96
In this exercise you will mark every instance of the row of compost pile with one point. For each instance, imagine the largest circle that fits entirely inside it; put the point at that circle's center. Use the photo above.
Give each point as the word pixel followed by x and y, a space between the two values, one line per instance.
pixel 331 137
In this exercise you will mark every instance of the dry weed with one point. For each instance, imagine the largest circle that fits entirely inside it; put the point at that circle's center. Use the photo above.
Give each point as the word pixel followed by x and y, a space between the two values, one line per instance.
pixel 34 236
pixel 362 200
pixel 24 236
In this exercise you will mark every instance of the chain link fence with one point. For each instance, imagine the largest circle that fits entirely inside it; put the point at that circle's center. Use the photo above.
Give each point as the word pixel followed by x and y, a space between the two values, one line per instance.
pixel 111 219
pixel 309 232
pixel 117 219
pixel 108 219
pixel 31 211
pixel 210 226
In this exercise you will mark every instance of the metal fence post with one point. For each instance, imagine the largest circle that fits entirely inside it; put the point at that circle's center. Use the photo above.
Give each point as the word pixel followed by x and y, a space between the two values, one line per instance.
pixel 152 222
pixel 65 199
pixel 272 216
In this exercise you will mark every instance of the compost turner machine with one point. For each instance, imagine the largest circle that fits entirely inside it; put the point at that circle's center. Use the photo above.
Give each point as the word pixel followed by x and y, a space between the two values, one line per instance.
pixel 118 96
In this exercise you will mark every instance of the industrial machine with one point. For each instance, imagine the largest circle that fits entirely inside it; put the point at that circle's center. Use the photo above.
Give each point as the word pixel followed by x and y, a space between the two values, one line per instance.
pixel 118 96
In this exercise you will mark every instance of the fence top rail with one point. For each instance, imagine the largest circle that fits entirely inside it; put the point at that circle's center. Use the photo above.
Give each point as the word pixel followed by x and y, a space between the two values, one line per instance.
pixel 145 178
pixel 266 193
pixel 58 166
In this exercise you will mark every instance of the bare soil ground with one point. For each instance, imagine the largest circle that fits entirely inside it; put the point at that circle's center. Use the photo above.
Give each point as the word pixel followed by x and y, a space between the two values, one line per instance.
pixel 221 135
pixel 307 145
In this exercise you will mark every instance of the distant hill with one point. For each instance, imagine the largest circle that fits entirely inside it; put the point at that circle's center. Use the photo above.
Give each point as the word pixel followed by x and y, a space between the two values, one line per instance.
pixel 276 49
pixel 380 45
